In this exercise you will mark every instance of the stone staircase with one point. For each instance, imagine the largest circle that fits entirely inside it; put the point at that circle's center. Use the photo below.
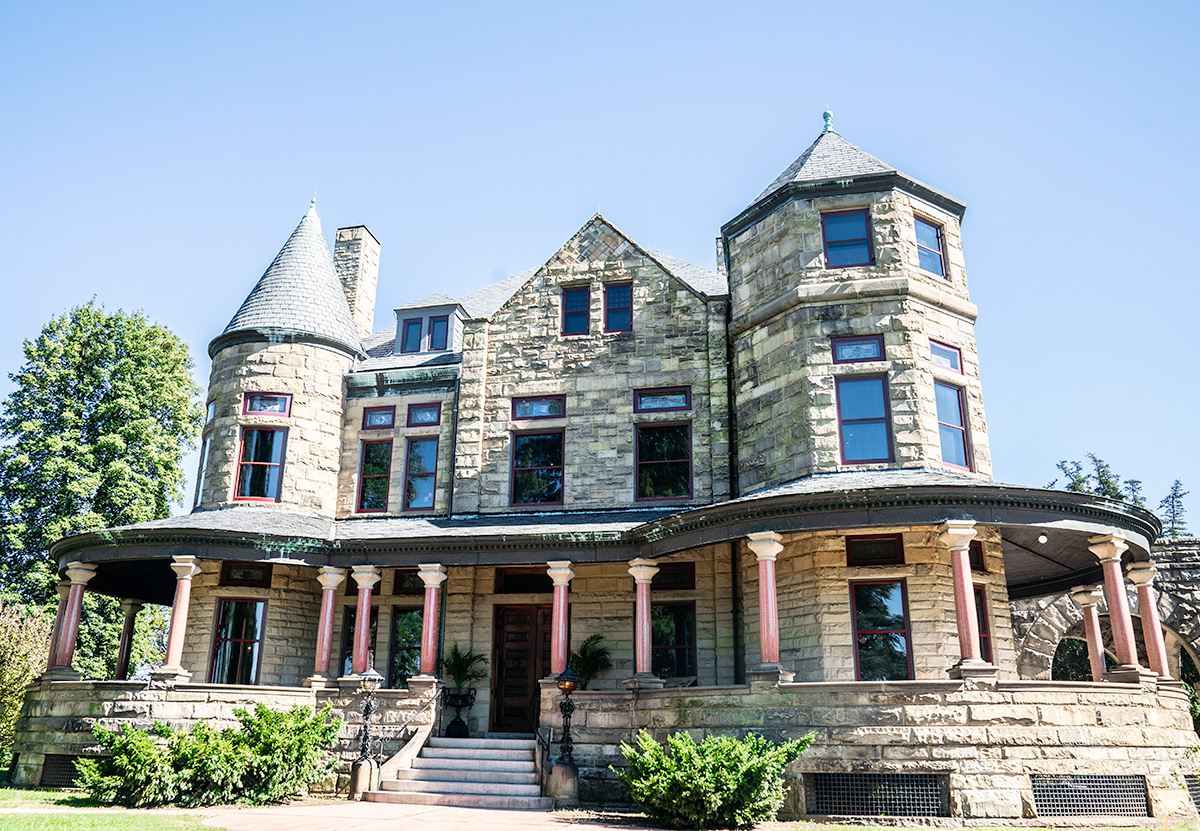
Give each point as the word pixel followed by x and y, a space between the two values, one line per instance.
pixel 471 773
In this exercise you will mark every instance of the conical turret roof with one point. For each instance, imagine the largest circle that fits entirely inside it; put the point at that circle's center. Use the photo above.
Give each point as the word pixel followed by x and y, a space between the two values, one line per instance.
pixel 300 293
pixel 829 157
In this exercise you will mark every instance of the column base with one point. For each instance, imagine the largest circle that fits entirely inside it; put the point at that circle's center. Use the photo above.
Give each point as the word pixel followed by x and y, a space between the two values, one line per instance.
pixel 424 686
pixel 61 674
pixel 316 682
pixel 170 675
pixel 644 681
pixel 974 670
pixel 769 675
pixel 1132 674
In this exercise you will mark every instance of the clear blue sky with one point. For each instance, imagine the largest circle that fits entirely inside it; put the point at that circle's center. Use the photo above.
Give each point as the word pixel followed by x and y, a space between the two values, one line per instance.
pixel 156 156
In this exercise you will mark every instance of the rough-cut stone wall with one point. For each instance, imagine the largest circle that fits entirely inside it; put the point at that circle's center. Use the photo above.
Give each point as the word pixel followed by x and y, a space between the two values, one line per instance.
pixel 313 376
pixel 290 642
pixel 813 592
pixel 356 260
pixel 674 342
pixel 785 308
pixel 57 717
pixel 472 393
pixel 354 435
pixel 987 739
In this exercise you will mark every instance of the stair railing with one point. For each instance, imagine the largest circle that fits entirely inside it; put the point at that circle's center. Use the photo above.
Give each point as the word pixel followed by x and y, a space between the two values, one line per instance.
pixel 400 733
pixel 542 756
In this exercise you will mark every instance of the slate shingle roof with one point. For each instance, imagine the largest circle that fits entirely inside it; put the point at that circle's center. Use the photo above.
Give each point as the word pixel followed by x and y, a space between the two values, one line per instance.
pixel 829 157
pixel 436 299
pixel 706 282
pixel 300 291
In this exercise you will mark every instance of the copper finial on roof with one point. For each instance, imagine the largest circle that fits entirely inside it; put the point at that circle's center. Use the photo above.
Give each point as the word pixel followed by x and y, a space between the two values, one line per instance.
pixel 828 116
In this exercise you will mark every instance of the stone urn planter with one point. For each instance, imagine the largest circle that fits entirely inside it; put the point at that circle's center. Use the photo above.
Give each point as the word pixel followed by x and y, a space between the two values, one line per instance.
pixel 460 667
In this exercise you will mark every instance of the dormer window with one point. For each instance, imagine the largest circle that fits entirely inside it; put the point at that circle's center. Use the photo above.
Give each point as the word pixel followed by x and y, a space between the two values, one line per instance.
pixel 410 336
pixel 428 328
pixel 439 327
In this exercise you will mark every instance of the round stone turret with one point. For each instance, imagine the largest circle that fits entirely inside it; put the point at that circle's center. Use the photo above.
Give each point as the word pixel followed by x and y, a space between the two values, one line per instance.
pixel 276 386
pixel 851 326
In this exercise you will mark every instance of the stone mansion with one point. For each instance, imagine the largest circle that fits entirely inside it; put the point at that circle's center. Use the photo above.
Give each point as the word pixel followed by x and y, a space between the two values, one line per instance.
pixel 767 486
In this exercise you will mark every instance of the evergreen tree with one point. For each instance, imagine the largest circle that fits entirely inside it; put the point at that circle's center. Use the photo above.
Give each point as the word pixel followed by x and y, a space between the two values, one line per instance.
pixel 1171 511
pixel 93 436
pixel 1101 481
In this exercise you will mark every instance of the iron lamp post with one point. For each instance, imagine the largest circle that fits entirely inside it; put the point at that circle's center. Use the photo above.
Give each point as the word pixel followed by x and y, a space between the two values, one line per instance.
pixel 568 682
pixel 369 683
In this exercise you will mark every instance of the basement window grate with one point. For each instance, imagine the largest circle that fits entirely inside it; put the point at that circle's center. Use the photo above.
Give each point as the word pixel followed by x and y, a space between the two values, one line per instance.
pixel 1193 787
pixel 878 794
pixel 1089 795
pixel 58 771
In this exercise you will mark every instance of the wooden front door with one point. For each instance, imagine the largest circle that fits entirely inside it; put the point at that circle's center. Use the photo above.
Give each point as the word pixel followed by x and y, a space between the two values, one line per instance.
pixel 520 657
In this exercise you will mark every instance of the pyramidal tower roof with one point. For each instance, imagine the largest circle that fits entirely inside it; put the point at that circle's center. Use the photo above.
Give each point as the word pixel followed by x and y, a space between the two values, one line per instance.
pixel 829 157
pixel 299 293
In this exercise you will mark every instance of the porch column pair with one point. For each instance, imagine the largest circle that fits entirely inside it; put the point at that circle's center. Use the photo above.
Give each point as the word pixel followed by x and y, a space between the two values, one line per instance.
pixel 66 621
pixel 1108 549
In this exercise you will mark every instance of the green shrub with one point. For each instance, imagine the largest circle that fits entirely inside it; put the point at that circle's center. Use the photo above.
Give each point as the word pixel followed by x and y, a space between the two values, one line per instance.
pixel 722 783
pixel 272 756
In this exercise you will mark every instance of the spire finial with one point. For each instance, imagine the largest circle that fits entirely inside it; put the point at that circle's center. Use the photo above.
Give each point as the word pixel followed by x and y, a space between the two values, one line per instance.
pixel 312 206
pixel 828 116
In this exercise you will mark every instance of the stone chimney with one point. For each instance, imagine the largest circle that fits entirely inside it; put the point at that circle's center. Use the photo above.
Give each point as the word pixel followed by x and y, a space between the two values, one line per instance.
pixel 356 259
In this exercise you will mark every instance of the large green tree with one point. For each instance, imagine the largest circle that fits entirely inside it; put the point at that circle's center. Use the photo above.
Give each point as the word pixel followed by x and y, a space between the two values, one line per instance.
pixel 92 436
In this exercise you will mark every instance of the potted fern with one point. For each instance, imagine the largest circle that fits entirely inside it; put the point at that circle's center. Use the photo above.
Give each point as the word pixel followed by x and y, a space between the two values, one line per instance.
pixel 460 667
pixel 591 658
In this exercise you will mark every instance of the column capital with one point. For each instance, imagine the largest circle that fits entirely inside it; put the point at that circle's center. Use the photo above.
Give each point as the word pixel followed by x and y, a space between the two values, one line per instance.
pixel 1086 595
pixel 80 573
pixel 643 571
pixel 956 534
pixel 432 574
pixel 766 545
pixel 130 606
pixel 560 572
pixel 1108 546
pixel 330 577
pixel 185 566
pixel 64 588
pixel 365 577
pixel 1141 574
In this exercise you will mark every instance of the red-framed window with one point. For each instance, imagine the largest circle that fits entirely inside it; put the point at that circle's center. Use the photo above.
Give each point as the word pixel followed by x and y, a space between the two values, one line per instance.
pixel 351 619
pixel 576 306
pixel 537 469
pixel 673 639
pixel 618 307
pixel 875 550
pixel 422 415
pixel 945 356
pixel 882 641
pixel 267 403
pixel 975 556
pixel 238 641
pixel 253 575
pixel 374 474
pixel 406 645
pixel 864 419
pixel 260 463
pixel 663 461
pixel 847 237
pixel 857 350
pixel 952 426
pixel 210 412
pixel 378 418
pixel 420 474
pixel 439 330
pixel 662 399
pixel 930 250
pixel 541 406
pixel 410 335
pixel 985 633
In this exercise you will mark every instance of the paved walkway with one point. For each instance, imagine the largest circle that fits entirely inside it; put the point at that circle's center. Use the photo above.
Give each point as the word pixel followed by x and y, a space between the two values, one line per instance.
pixel 378 816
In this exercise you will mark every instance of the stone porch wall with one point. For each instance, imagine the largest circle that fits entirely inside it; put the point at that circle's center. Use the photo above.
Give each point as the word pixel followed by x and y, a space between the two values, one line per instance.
pixel 58 717
pixel 986 738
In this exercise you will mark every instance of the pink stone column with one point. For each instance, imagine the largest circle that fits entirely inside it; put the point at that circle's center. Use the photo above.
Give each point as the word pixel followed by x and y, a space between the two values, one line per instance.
pixel 561 573
pixel 330 579
pixel 432 575
pixel 125 648
pixel 365 578
pixel 64 590
pixel 78 574
pixel 1142 575
pixel 185 568
pixel 1088 597
pixel 643 572
pixel 956 534
pixel 766 546
pixel 1108 548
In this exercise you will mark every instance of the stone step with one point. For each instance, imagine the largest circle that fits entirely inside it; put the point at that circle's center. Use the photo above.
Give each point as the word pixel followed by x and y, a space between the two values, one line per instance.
pixel 495 744
pixel 474 775
pixel 479 753
pixel 463 800
pixel 494 788
pixel 425 762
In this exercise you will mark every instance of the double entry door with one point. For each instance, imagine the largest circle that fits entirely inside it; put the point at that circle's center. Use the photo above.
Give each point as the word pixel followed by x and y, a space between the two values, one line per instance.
pixel 520 658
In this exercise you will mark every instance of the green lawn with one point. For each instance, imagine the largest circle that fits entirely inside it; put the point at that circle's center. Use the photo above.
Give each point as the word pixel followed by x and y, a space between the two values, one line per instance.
pixel 100 821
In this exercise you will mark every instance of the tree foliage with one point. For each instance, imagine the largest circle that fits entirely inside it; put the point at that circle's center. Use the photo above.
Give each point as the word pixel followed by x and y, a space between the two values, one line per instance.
pixel 25 635
pixel 1100 480
pixel 1172 513
pixel 92 436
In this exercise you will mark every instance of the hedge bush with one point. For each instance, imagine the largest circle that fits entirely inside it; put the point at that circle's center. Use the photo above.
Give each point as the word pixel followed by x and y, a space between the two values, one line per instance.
pixel 721 783
pixel 272 756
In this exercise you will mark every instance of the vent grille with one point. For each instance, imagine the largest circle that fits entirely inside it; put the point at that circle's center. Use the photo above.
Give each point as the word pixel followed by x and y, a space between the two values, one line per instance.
pixel 1193 787
pixel 878 794
pixel 1090 794
pixel 59 771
